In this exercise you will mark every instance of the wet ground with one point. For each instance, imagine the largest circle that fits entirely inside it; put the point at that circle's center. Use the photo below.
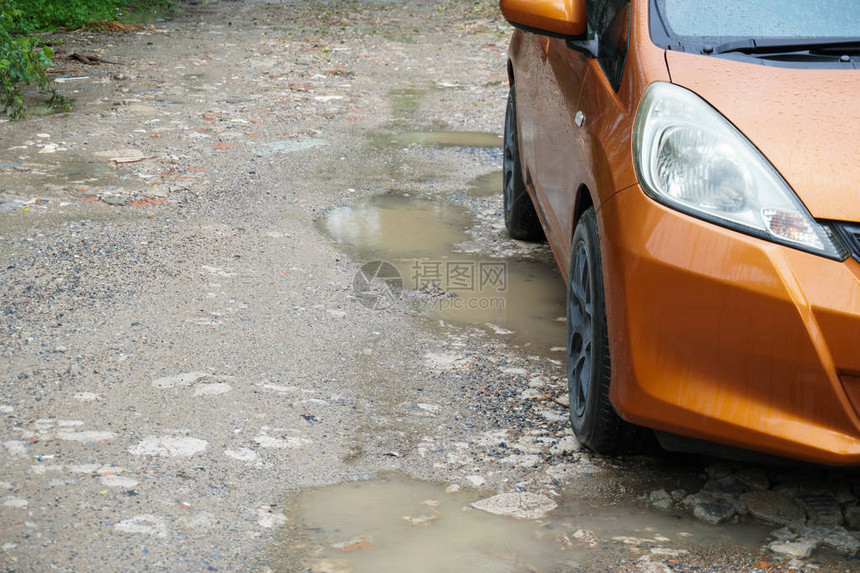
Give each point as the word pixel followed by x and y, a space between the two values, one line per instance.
pixel 259 313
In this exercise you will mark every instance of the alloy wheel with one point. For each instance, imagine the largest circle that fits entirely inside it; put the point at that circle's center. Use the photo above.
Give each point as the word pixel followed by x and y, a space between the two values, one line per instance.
pixel 580 328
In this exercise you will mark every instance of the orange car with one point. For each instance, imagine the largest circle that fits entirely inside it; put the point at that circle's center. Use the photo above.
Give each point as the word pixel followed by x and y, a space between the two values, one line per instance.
pixel 695 167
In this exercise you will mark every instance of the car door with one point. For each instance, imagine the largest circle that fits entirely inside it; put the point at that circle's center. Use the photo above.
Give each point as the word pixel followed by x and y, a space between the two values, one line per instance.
pixel 558 150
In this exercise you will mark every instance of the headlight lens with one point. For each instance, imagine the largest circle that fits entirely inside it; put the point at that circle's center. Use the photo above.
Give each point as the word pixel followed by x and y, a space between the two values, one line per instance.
pixel 691 158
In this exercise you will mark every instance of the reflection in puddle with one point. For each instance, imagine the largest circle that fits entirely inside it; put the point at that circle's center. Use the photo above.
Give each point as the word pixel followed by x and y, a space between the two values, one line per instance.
pixel 395 523
pixel 418 236
pixel 443 139
pixel 397 226
pixel 405 102
pixel 152 14
pixel 41 109
pixel 486 185
pixel 523 298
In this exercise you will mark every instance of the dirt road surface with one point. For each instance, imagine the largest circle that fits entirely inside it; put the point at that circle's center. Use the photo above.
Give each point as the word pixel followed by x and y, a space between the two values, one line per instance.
pixel 200 373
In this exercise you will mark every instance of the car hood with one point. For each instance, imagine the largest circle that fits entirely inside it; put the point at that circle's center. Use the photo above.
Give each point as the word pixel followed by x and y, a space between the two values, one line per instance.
pixel 805 121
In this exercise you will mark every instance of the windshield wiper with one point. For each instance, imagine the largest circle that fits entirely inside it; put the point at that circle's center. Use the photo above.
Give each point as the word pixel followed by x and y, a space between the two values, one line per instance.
pixel 838 46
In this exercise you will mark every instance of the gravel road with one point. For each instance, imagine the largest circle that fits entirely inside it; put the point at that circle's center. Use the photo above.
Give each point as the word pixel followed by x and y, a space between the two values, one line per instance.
pixel 189 375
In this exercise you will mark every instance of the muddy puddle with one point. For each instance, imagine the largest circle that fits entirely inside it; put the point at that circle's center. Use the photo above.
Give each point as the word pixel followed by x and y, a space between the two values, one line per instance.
pixel 395 523
pixel 486 185
pixel 521 299
pixel 405 102
pixel 151 15
pixel 395 226
pixel 63 175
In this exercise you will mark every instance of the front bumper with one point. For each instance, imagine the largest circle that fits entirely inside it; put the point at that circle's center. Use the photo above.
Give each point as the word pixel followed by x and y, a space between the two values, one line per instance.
pixel 724 337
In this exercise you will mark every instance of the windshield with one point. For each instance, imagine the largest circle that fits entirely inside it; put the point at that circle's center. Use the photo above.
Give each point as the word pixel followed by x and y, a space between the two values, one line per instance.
pixel 695 22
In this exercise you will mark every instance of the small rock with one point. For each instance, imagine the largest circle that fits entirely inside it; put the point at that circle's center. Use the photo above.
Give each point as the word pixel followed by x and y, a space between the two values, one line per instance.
pixel 784 534
pixel 679 494
pixel 852 516
pixel 720 470
pixel 714 512
pixel 793 487
pixel 774 507
pixel 585 536
pixel 531 394
pixel 728 487
pixel 475 481
pixel 843 494
pixel 837 538
pixel 523 505
pixel 821 509
pixel 661 499
pixel 800 549
pixel 115 201
pixel 420 519
pixel 61 349
pixel 755 479
pixel 645 565
pixel 703 498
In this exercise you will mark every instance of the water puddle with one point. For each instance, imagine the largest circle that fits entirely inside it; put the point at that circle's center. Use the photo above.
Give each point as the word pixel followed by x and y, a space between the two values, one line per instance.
pixel 441 139
pixel 65 170
pixel 395 523
pixel 405 102
pixel 486 185
pixel 398 226
pixel 39 109
pixel 152 14
pixel 418 238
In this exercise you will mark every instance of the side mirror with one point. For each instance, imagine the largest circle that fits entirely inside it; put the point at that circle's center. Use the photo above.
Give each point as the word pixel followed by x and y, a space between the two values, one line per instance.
pixel 558 18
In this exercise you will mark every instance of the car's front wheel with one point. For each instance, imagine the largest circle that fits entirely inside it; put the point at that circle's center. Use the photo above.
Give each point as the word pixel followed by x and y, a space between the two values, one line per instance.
pixel 594 420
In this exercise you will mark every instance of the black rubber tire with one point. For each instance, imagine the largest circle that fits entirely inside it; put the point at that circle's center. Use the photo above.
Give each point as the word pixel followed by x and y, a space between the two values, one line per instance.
pixel 521 219
pixel 594 420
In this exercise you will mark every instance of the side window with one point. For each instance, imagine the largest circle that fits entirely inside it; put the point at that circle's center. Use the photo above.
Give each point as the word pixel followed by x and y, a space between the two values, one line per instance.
pixel 609 20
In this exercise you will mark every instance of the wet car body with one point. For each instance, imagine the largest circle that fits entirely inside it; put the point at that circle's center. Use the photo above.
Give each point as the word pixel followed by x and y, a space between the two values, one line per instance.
pixel 721 325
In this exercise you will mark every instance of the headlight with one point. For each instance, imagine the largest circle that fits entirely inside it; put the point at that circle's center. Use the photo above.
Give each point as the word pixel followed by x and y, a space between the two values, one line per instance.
pixel 692 159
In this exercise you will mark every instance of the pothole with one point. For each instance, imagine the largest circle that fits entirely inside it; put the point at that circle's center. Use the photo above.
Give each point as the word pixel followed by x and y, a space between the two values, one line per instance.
pixel 394 523
pixel 523 299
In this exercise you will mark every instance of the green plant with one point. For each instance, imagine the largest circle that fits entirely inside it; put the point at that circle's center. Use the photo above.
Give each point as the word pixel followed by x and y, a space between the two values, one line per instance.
pixel 22 63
